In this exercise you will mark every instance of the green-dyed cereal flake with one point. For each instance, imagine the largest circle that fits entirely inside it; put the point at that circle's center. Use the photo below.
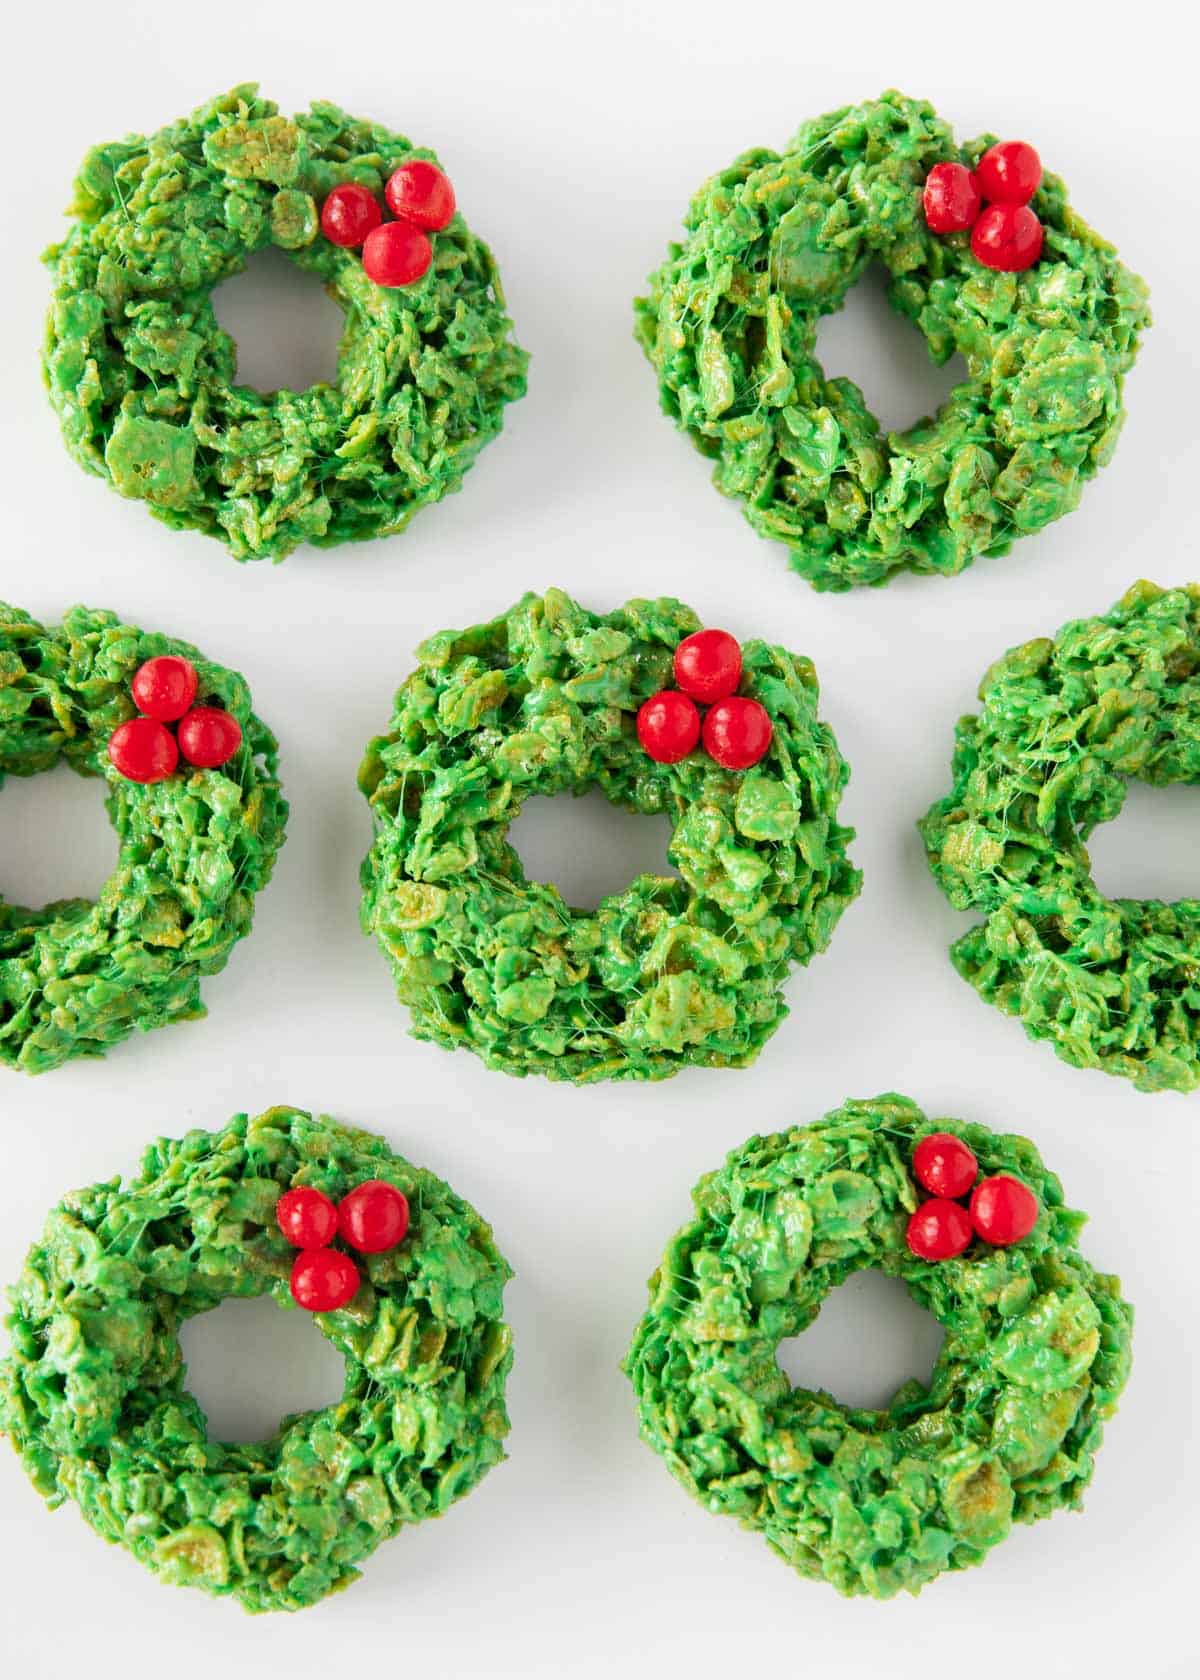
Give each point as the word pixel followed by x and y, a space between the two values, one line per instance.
pixel 152 459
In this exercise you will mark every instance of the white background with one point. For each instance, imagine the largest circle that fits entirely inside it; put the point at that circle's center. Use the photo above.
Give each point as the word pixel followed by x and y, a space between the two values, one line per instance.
pixel 574 135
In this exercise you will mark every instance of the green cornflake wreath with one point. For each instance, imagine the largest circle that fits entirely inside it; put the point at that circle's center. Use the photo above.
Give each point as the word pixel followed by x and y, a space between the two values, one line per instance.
pixel 666 974
pixel 93 1392
pixel 77 977
pixel 1065 725
pixel 774 243
pixel 1036 1353
pixel 145 382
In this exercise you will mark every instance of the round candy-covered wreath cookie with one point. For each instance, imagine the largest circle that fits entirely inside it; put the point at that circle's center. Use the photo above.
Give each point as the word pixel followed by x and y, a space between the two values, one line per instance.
pixel 1064 726
pixel 663 717
pixel 194 798
pixel 984 255
pixel 145 381
pixel 407 1284
pixel 1036 1349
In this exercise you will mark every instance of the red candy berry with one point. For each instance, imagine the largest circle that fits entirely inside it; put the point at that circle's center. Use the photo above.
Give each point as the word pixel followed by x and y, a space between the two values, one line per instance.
pixel 396 254
pixel 418 192
pixel 668 726
pixel 939 1230
pixel 349 213
pixel 737 732
pixel 943 1165
pixel 209 737
pixel 373 1216
pixel 708 665
pixel 323 1279
pixel 1003 1210
pixel 143 750
pixel 307 1218
pixel 952 198
pixel 165 687
pixel 1009 173
pixel 1007 237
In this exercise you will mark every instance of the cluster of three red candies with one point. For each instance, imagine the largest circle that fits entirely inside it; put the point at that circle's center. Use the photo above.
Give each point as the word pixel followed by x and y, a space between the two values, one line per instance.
pixel 736 731
pixel 144 749
pixel 397 253
pixel 1002 1210
pixel 1007 235
pixel 371 1218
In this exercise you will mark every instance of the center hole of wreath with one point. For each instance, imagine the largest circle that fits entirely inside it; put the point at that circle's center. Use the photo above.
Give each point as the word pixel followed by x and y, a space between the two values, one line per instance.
pixel 588 847
pixel 1151 849
pixel 885 355
pixel 56 841
pixel 869 1337
pixel 249 1365
pixel 285 325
